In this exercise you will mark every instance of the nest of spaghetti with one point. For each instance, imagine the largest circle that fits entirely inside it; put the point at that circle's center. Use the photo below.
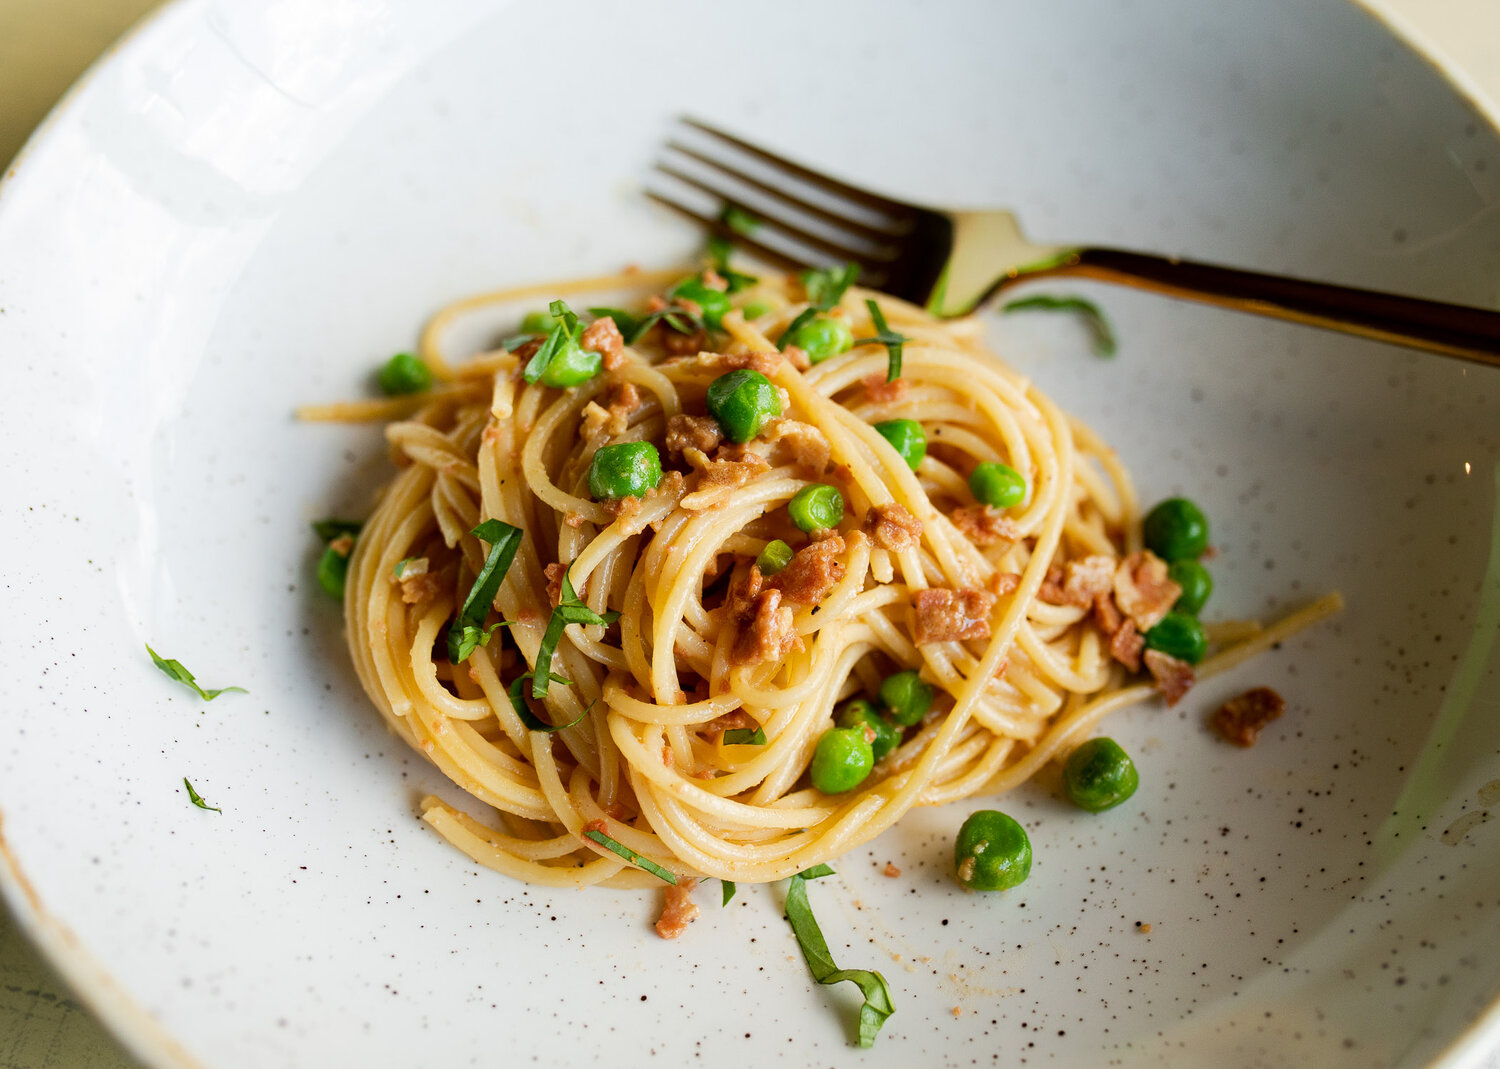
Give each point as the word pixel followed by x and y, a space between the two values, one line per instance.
pixel 1025 621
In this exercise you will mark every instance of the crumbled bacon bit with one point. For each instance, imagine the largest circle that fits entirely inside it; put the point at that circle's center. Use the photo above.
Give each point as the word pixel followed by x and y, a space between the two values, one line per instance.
pixel 714 281
pixel 1126 644
pixel 677 343
pixel 893 527
pixel 985 525
pixel 1087 579
pixel 743 590
pixel 1143 589
pixel 1241 719
pixel 945 615
pixel 555 573
pixel 622 507
pixel 624 400
pixel 604 338
pixel 730 468
pixel 1003 583
pixel 767 635
pixel 343 545
pixel 730 721
pixel 1173 677
pixel 765 363
pixel 1052 587
pixel 679 909
pixel 812 573
pixel 666 747
pixel 882 392
pixel 655 303
pixel 891 870
pixel 696 432
pixel 1107 614
pixel 808 445
pixel 527 349
pixel 573 519
pixel 420 588
pixel 797 357
pixel 598 826
pixel 966 871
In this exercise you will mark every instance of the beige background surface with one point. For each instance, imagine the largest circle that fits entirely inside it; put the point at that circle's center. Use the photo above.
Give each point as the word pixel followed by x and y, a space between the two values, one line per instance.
pixel 46 44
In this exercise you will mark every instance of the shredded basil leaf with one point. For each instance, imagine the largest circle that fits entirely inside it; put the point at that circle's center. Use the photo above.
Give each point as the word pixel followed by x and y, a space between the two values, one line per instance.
pixel 719 250
pixel 631 856
pixel 826 285
pixel 562 335
pixel 877 1005
pixel 197 799
pixel 739 220
pixel 745 737
pixel 470 639
pixel 517 692
pixel 467 630
pixel 673 315
pixel 1093 316
pixel 570 610
pixel 728 888
pixel 884 335
pixel 175 670
pixel 805 316
pixel 328 530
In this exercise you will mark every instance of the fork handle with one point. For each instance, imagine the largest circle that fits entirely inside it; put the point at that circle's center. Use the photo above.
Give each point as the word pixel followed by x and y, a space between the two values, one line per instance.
pixel 1451 329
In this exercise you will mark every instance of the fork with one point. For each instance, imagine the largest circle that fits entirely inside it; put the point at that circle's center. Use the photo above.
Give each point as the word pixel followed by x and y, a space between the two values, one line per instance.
pixel 952 262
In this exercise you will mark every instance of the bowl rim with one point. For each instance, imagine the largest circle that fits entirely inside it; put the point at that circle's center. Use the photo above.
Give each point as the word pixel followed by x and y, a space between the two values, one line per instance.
pixel 119 1011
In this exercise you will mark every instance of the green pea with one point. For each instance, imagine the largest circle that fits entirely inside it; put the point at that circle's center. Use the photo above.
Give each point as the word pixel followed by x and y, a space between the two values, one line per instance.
pixel 333 571
pixel 822 337
pixel 1099 775
pixel 861 714
pixel 776 556
pixel 905 697
pixel 571 366
pixel 1196 585
pixel 992 852
pixel 714 303
pixel 742 401
pixel 404 373
pixel 1179 635
pixel 754 310
pixel 1176 529
pixel 536 323
pixel 996 484
pixel 907 438
pixel 626 469
pixel 816 507
pixel 841 760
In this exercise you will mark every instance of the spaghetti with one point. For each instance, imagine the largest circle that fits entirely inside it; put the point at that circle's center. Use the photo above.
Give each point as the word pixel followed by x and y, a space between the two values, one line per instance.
pixel 1014 617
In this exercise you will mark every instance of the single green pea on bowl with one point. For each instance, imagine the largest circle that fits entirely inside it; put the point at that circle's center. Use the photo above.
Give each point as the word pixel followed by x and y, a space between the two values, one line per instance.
pixel 247 207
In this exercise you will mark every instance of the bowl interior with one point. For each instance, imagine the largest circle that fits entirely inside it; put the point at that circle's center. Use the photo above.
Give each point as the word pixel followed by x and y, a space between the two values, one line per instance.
pixel 248 209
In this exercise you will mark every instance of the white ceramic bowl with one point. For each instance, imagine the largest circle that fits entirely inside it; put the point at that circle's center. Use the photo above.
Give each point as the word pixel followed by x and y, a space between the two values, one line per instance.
pixel 250 204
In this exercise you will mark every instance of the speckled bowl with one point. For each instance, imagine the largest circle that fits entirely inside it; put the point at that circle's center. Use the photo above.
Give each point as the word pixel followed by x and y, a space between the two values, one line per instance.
pixel 250 204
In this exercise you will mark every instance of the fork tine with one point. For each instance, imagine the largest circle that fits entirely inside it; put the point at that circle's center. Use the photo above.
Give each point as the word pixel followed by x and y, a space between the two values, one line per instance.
pixel 864 230
pixel 714 226
pixel 884 205
pixel 786 228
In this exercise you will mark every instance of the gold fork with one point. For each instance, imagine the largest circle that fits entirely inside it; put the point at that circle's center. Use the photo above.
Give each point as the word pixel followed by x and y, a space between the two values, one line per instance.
pixel 954 261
